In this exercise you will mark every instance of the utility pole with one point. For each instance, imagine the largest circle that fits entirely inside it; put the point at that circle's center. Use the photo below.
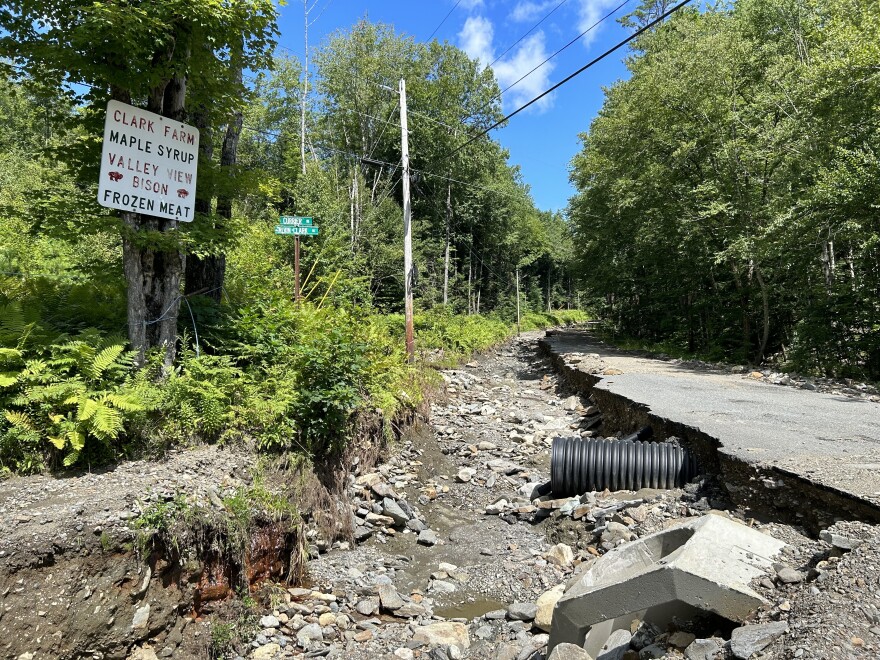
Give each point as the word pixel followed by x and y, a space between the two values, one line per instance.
pixel 517 301
pixel 407 228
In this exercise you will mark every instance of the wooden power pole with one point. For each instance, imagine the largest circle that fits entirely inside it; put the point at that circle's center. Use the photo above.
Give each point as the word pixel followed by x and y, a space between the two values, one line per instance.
pixel 517 301
pixel 407 228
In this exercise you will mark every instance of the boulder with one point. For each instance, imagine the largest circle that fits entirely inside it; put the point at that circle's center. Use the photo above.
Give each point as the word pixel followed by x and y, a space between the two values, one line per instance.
pixel 545 604
pixel 445 633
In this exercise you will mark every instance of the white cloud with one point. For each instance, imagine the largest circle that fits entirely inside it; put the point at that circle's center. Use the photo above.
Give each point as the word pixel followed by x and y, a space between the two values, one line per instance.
pixel 526 10
pixel 591 11
pixel 529 55
pixel 475 39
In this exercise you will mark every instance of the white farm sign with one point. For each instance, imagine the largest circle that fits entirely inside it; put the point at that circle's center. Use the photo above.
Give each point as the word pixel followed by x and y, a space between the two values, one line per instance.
pixel 148 164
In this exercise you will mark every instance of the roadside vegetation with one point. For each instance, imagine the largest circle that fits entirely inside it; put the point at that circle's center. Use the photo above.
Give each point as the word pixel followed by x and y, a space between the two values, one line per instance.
pixel 727 190
pixel 79 386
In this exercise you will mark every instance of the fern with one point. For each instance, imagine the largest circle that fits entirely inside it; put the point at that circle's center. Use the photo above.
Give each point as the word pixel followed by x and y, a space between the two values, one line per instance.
pixel 19 420
pixel 104 360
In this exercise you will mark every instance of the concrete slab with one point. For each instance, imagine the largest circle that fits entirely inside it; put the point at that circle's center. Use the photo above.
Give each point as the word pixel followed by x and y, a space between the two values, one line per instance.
pixel 703 565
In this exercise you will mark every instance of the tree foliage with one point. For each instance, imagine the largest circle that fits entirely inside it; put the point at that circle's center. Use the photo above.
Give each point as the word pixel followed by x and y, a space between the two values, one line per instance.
pixel 727 190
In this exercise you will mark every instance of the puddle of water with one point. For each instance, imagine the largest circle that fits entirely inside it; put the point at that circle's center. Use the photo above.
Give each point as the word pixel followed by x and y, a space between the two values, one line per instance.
pixel 471 610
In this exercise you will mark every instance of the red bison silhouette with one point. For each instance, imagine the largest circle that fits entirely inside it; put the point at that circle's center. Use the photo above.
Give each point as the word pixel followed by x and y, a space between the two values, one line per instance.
pixel 115 176
pixel 182 192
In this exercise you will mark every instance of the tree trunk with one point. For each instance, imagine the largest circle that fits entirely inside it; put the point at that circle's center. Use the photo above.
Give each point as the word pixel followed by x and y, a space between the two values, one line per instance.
pixel 765 304
pixel 151 274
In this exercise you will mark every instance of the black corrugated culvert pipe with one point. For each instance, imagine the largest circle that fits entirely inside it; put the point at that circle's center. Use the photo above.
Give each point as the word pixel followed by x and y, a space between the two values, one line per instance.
pixel 579 465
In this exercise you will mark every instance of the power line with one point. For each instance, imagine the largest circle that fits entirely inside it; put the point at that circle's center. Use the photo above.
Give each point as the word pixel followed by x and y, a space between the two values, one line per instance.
pixel 576 39
pixel 533 28
pixel 444 20
pixel 568 78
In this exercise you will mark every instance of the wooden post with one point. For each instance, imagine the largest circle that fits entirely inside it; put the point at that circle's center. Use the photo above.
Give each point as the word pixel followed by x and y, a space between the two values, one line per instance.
pixel 517 301
pixel 296 293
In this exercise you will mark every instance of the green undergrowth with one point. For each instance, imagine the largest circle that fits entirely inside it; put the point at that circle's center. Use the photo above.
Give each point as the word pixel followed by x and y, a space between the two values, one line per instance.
pixel 444 339
pixel 266 373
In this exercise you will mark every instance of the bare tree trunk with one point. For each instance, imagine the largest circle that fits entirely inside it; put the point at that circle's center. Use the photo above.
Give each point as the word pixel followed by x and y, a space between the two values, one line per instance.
pixel 305 92
pixel 470 284
pixel 446 250
pixel 153 275
pixel 765 336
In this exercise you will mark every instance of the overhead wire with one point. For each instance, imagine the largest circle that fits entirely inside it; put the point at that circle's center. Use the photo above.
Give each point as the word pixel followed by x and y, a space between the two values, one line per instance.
pixel 439 25
pixel 551 56
pixel 588 65
pixel 532 29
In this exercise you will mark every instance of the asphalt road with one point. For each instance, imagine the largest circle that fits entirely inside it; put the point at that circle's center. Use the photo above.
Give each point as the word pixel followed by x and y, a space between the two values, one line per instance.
pixel 830 439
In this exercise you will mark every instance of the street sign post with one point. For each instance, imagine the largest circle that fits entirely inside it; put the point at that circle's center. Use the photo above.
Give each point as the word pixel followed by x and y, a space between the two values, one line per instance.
pixel 148 164
pixel 286 230
pixel 296 226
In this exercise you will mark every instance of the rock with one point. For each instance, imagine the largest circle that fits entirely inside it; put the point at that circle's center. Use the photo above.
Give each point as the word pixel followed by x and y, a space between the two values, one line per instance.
pixel 367 606
pixel 530 490
pixel 681 639
pixel 571 403
pixel 392 509
pixel 141 618
pixel 144 652
pixel 428 537
pixel 383 490
pixel 267 652
pixel 645 635
pixel 410 610
pixel 327 619
pixel 389 598
pixel 309 633
pixel 441 587
pixel 416 525
pixel 522 611
pixel 485 445
pixel 787 575
pixel 453 652
pixel 495 615
pixel 445 633
pixel 839 540
pixel 465 474
pixel 496 507
pixel 560 554
pixel 567 651
pixel 403 653
pixel 616 645
pixel 652 652
pixel 545 604
pixel 748 640
pixel 615 532
pixel 485 632
pixel 703 649
pixel 269 621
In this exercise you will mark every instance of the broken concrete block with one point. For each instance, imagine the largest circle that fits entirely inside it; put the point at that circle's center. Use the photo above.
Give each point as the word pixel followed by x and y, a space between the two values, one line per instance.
pixel 704 565
pixel 748 640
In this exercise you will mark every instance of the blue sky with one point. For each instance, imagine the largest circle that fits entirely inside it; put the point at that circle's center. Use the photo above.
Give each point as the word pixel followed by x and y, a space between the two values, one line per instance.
pixel 542 139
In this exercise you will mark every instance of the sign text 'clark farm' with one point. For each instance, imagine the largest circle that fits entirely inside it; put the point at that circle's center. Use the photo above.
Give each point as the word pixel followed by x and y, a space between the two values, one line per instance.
pixel 148 164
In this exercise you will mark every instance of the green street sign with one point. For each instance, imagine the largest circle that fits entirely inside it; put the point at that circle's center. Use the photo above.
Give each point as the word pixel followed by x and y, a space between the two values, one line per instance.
pixel 294 221
pixel 286 230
